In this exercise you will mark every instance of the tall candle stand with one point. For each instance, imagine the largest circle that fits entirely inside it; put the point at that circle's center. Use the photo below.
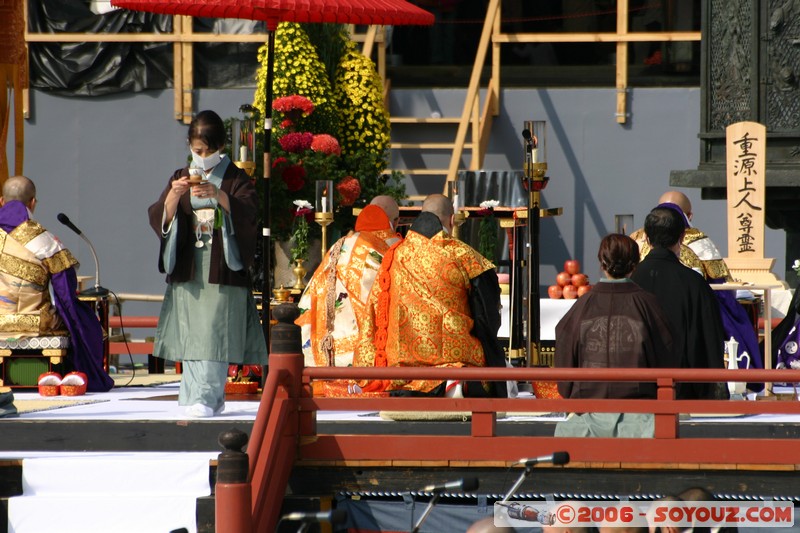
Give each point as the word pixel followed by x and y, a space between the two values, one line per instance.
pixel 324 220
pixel 323 215
pixel 535 170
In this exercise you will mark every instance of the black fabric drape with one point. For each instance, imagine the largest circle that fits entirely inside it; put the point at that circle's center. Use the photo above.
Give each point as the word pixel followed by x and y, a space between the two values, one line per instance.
pixel 226 65
pixel 90 69
pixel 502 185
pixel 506 187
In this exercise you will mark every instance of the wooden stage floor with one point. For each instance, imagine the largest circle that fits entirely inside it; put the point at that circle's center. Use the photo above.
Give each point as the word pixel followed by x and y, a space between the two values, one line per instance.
pixel 147 418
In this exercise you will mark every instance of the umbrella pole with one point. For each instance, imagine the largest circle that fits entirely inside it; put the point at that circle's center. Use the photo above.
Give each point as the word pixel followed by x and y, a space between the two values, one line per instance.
pixel 266 251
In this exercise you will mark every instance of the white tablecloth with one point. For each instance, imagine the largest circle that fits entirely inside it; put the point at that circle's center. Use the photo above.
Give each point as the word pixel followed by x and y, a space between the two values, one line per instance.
pixel 550 311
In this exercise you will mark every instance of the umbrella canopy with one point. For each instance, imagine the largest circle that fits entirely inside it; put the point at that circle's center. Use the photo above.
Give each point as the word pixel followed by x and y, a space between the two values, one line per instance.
pixel 394 12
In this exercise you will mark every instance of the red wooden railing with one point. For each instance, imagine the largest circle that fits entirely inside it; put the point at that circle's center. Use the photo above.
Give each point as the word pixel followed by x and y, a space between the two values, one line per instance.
pixel 130 322
pixel 285 428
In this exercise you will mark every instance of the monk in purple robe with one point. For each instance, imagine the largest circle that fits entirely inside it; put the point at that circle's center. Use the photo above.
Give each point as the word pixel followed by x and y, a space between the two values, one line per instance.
pixel 34 259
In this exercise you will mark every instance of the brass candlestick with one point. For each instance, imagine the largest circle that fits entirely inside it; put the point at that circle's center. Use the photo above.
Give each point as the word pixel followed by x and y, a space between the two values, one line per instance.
pixel 324 220
pixel 323 214
pixel 247 166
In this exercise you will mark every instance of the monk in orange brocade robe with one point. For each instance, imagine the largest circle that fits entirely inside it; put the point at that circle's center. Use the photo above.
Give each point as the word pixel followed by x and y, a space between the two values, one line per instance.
pixel 421 307
pixel 335 300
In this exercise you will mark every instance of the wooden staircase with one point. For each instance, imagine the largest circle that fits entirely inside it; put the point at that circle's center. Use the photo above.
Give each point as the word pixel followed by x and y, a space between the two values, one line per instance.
pixel 422 149
pixel 430 151
pixel 481 104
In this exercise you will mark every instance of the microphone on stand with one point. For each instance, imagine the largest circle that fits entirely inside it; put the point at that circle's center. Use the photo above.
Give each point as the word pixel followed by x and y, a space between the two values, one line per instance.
pixel 557 458
pixel 97 290
pixel 526 134
pixel 335 516
pixel 466 485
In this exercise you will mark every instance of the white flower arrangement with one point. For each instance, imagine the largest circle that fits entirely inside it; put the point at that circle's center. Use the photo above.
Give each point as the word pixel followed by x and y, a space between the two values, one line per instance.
pixel 300 230
pixel 487 231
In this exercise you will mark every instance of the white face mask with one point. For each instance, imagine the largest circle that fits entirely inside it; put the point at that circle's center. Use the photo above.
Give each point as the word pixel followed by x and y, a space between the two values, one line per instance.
pixel 206 163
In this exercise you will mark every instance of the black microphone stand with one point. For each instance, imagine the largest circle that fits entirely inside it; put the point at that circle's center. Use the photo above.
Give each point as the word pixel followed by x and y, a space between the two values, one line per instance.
pixel 98 290
pixel 518 483
pixel 428 509
pixel 468 484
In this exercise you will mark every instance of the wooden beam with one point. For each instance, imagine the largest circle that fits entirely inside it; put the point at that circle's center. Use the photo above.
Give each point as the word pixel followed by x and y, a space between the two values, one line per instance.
pixel 6 80
pixel 19 125
pixel 144 37
pixel 177 70
pixel 476 159
pixel 187 64
pixel 381 40
pixel 622 62
pixel 596 37
pixel 474 88
pixel 369 41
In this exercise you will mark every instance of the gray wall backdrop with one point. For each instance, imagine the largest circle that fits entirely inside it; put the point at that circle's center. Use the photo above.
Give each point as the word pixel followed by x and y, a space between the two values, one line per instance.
pixel 103 160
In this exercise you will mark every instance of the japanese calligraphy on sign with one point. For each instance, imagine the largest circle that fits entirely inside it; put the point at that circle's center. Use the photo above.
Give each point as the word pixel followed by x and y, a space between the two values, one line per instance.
pixel 747 187
pixel 746 191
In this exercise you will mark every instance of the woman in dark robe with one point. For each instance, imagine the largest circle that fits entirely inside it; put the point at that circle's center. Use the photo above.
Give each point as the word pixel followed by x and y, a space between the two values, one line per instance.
pixel 615 325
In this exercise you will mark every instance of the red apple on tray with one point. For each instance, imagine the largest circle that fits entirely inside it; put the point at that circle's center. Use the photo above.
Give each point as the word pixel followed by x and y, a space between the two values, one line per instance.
pixel 564 278
pixel 583 289
pixel 555 291
pixel 572 266
pixel 570 292
pixel 579 279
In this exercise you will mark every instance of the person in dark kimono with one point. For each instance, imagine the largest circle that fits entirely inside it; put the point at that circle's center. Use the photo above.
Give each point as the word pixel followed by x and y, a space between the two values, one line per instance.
pixel 206 221
pixel 35 261
pixel 686 297
pixel 615 325
pixel 700 253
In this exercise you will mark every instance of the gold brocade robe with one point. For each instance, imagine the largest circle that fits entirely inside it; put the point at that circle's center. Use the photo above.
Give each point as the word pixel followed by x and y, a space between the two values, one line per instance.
pixel 359 259
pixel 429 320
pixel 25 306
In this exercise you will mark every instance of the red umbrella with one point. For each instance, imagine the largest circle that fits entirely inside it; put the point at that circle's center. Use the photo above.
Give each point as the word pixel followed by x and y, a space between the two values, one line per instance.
pixel 384 12
pixel 394 12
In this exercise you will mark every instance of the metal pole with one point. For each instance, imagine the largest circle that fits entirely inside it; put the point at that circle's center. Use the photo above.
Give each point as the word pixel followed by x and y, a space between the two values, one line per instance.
pixel 534 322
pixel 266 248
pixel 535 169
